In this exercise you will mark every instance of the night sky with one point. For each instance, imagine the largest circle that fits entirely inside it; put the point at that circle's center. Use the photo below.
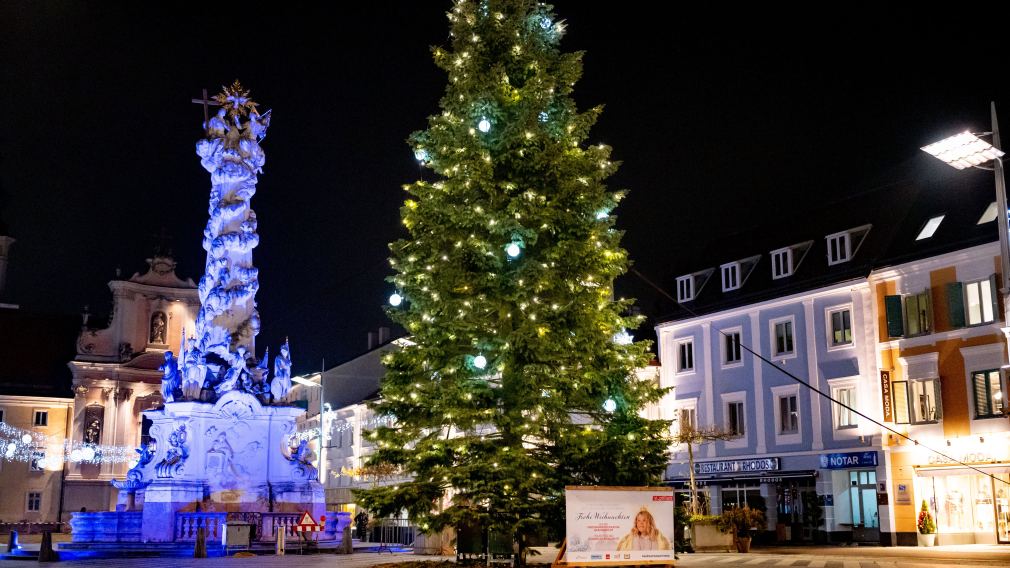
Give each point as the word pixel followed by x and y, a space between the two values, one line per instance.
pixel 722 119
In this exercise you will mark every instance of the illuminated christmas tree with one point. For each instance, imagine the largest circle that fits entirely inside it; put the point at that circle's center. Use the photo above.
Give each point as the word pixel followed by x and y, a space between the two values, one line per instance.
pixel 517 382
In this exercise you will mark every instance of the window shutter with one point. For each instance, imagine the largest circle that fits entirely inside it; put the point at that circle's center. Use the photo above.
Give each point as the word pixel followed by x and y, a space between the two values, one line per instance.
pixel 981 395
pixel 895 326
pixel 900 389
pixel 995 299
pixel 955 304
pixel 939 399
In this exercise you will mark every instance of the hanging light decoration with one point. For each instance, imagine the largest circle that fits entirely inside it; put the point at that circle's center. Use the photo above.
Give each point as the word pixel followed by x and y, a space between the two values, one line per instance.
pixel 610 405
pixel 484 125
pixel 513 249
pixel 395 299
pixel 480 362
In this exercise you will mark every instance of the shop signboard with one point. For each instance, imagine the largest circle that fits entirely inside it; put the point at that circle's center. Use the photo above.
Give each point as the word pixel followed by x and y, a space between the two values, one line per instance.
pixel 904 495
pixel 737 466
pixel 848 460
pixel 618 525
pixel 885 392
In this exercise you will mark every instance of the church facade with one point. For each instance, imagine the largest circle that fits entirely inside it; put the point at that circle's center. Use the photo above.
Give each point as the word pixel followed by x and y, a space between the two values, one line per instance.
pixel 116 377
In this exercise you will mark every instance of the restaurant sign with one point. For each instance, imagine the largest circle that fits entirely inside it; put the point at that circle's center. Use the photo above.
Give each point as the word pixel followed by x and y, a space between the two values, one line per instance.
pixel 738 466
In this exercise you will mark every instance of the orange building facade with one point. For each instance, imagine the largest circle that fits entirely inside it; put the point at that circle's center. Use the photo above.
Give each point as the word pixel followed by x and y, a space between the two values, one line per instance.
pixel 942 355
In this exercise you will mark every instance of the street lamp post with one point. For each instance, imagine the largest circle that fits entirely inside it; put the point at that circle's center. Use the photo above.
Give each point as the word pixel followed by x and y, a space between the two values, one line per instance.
pixel 966 150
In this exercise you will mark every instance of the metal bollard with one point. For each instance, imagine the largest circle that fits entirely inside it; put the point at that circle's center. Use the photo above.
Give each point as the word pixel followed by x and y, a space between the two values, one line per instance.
pixel 12 542
pixel 281 541
pixel 46 553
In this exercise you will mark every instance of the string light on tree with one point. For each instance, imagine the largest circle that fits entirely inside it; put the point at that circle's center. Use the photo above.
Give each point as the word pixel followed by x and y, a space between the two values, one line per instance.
pixel 610 405
pixel 395 299
pixel 421 155
pixel 484 125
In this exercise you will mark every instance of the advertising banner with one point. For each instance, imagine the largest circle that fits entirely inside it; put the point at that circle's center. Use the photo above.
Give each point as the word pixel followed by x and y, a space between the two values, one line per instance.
pixel 619 525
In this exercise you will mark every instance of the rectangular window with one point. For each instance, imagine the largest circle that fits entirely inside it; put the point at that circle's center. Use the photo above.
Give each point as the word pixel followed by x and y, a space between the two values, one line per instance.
pixel 918 314
pixel 782 263
pixel 36 463
pixel 731 344
pixel 783 338
pixel 838 248
pixel 685 356
pixel 789 416
pixel 988 394
pixel 34 504
pixel 735 418
pixel 41 418
pixel 979 302
pixel 730 276
pixel 845 417
pixel 687 420
pixel 924 401
pixel 685 288
pixel 841 328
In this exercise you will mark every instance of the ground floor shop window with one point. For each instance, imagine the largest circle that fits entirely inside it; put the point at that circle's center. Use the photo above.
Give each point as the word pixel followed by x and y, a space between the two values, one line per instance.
pixel 744 493
pixel 967 504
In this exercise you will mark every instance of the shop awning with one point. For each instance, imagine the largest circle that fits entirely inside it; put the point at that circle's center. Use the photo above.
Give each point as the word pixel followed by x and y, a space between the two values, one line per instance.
pixel 767 477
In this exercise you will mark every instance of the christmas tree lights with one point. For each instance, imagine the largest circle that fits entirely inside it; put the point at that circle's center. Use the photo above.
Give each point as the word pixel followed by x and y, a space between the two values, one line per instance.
pixel 514 386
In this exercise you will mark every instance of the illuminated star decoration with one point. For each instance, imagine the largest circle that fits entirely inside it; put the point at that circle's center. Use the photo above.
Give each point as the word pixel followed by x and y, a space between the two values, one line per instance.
pixel 235 100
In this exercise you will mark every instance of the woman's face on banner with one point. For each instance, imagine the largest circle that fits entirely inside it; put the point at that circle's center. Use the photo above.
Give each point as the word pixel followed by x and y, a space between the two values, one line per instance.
pixel 641 523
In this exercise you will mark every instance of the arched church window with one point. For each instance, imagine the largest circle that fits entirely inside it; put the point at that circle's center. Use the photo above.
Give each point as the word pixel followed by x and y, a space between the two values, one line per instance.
pixel 159 328
pixel 94 417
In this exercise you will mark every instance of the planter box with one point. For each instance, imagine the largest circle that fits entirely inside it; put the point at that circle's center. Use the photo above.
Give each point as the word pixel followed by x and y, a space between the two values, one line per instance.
pixel 705 537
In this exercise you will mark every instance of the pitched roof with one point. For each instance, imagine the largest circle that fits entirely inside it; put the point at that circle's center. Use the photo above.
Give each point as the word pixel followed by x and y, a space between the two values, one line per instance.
pixel 896 206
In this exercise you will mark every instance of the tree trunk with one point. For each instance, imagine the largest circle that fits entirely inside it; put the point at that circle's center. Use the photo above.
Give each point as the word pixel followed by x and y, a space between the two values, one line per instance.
pixel 690 465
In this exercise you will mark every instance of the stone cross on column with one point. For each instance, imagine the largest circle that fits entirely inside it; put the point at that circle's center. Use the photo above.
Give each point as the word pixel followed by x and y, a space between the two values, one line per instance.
pixel 206 102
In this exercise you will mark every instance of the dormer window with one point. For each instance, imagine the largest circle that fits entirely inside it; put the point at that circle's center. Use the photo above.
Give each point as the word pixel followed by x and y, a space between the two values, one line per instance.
pixel 786 260
pixel 685 288
pixel 843 246
pixel 690 285
pixel 735 273
pixel 730 276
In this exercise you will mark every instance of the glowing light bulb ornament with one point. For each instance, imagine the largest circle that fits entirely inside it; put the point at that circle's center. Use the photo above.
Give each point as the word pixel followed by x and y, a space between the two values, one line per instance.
pixel 26 439
pixel 513 250
pixel 421 154
pixel 480 361
pixel 41 462
pixel 88 453
pixel 610 405
pixel 543 116
pixel 484 125
pixel 395 299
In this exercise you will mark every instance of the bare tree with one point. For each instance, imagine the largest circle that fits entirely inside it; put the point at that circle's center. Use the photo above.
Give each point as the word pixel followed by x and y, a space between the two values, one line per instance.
pixel 692 436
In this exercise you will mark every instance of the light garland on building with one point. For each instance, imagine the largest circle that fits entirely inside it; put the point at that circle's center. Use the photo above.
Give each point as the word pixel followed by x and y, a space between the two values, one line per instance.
pixel 35 447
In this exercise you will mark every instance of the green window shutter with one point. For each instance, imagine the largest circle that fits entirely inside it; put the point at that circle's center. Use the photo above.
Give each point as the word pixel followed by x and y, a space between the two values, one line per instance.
pixel 895 326
pixel 955 304
pixel 939 399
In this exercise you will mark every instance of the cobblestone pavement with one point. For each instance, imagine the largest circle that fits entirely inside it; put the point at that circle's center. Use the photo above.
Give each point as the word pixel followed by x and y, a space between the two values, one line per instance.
pixel 810 558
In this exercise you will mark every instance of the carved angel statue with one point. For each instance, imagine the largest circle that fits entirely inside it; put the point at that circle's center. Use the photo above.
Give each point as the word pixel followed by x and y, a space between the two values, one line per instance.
pixel 234 375
pixel 170 379
pixel 281 383
pixel 194 368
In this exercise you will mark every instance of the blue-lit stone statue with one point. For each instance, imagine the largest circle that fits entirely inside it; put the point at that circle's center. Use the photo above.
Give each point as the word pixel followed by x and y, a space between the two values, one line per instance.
pixel 223 436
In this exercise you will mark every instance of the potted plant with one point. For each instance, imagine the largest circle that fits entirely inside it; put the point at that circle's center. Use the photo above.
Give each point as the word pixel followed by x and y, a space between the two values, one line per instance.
pixel 927 527
pixel 707 534
pixel 740 521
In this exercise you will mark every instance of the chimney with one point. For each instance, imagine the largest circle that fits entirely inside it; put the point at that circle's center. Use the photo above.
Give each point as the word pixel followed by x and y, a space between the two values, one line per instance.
pixel 383 335
pixel 371 340
pixel 5 245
